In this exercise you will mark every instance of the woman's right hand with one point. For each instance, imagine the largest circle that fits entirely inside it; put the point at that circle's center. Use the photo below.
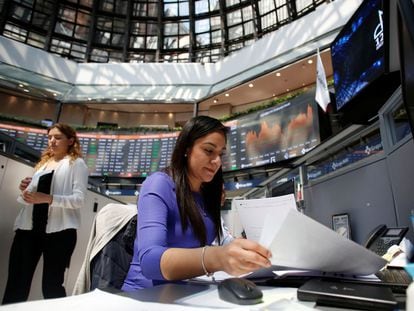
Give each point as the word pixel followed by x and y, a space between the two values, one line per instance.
pixel 24 183
pixel 239 257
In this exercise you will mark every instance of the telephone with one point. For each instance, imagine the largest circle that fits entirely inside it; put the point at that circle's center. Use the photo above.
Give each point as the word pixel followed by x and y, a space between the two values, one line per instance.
pixel 382 238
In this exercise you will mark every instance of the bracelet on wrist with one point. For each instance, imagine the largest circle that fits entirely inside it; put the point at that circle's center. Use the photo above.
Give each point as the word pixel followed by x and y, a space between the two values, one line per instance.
pixel 203 252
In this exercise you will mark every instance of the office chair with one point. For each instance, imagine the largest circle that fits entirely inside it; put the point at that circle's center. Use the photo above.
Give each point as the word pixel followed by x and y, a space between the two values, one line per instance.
pixel 110 247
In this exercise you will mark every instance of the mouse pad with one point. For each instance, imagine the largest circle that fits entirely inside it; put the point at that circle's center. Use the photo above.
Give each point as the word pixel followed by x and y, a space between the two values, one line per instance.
pixel 346 294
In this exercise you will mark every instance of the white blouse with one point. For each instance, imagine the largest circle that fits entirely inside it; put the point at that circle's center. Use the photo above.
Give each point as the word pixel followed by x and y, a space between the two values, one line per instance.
pixel 69 186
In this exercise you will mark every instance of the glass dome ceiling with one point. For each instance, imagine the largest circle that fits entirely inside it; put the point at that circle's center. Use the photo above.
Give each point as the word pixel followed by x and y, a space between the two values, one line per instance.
pixel 103 31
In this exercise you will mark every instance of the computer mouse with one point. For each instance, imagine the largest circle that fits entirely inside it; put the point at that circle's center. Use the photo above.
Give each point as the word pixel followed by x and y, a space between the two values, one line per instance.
pixel 239 291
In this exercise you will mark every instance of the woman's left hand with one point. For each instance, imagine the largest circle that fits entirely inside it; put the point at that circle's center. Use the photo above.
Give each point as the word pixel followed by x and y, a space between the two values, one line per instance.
pixel 36 197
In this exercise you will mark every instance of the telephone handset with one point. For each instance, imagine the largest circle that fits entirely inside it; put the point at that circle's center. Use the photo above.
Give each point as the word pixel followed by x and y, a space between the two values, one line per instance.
pixel 382 238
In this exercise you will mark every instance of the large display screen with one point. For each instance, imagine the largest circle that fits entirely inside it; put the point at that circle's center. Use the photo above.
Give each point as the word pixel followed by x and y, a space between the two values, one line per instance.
pixel 359 51
pixel 264 137
pixel 276 134
pixel 133 155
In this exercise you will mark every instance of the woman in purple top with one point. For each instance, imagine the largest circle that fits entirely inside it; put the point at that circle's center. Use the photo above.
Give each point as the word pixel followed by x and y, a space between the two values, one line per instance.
pixel 179 216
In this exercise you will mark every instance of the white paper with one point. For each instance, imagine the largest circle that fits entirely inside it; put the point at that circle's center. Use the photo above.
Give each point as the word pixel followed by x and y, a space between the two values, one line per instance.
pixel 299 242
pixel 253 213
pixel 207 300
pixel 302 243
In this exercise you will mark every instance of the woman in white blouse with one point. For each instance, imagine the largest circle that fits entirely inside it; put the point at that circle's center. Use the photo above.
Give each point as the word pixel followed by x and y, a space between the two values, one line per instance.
pixel 47 222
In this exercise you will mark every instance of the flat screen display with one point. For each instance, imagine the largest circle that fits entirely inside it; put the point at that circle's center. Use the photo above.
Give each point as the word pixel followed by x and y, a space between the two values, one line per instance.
pixel 272 135
pixel 264 137
pixel 359 52
pixel 119 155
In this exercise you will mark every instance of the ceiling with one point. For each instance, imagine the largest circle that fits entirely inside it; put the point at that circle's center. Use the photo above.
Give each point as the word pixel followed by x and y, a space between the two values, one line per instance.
pixel 269 86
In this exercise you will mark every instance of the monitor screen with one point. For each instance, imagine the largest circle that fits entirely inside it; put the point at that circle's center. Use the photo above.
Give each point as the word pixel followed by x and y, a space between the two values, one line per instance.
pixel 359 52
pixel 406 47
pixel 110 153
pixel 264 137
pixel 272 135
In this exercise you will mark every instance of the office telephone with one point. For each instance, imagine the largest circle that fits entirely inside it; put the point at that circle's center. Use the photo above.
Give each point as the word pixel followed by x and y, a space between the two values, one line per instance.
pixel 382 238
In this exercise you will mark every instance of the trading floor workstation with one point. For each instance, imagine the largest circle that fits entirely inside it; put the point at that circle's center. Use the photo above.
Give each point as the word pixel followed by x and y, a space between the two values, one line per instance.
pixel 322 176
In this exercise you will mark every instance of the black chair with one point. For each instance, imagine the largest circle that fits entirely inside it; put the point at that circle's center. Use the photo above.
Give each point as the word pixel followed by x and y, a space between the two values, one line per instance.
pixel 111 264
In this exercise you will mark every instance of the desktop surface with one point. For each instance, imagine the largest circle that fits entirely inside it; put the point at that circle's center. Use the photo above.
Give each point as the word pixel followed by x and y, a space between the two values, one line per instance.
pixel 199 295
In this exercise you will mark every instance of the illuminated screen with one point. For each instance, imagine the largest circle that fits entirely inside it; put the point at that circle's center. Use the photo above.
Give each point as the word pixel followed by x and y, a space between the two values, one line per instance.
pixel 358 52
pixel 132 155
pixel 273 135
pixel 269 136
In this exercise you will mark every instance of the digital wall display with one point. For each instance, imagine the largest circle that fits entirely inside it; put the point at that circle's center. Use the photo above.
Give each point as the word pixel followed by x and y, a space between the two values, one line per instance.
pixel 111 155
pixel 278 133
pixel 265 137
pixel 358 52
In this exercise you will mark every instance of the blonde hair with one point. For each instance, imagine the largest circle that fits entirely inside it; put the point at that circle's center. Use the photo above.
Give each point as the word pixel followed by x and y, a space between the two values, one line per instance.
pixel 74 150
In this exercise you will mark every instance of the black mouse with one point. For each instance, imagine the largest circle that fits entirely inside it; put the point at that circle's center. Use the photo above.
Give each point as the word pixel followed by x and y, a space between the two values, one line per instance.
pixel 240 291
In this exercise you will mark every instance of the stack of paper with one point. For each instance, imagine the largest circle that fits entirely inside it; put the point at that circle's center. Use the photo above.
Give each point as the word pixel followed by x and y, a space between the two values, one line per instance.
pixel 299 242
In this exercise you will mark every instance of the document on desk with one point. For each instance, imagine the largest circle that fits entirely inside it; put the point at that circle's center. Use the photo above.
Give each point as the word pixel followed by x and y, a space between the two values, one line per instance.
pixel 299 242
pixel 253 212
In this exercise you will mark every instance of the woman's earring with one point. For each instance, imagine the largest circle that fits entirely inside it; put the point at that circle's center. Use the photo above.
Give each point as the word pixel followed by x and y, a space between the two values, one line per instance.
pixel 185 155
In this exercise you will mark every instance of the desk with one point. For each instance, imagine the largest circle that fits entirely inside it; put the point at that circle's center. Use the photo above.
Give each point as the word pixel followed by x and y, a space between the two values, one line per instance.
pixel 169 297
pixel 206 296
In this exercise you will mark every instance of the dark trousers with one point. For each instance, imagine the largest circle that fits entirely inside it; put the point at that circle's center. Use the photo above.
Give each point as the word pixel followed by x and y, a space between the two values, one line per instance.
pixel 27 248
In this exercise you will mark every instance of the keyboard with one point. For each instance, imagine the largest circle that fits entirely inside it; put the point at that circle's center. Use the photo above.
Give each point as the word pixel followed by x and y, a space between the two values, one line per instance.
pixel 395 277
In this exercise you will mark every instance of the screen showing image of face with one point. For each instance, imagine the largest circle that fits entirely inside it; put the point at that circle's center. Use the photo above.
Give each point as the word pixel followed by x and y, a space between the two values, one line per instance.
pixel 358 52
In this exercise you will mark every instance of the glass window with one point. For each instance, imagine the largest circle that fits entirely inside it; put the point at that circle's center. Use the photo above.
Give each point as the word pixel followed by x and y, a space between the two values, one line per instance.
pixel 60 47
pixel 64 28
pixel 152 42
pixel 36 40
pixel 202 25
pixel 171 9
pixel 145 8
pixel 28 20
pixel 117 39
pixel 235 32
pixel 78 51
pixel 170 43
pixel 201 7
pixel 106 5
pixel 203 39
pixel 215 23
pixel 183 9
pixel 232 2
pixel 99 56
pixel 21 13
pixel 183 42
pixel 234 18
pixel 41 20
pixel 171 29
pixel 81 32
pixel 137 42
pixel 216 36
pixel 302 4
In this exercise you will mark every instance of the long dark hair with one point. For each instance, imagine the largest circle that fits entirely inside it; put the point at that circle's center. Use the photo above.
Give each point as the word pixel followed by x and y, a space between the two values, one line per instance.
pixel 194 129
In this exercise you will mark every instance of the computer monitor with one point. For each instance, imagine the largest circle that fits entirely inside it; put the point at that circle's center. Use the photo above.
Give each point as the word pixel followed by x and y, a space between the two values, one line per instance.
pixel 363 78
pixel 405 20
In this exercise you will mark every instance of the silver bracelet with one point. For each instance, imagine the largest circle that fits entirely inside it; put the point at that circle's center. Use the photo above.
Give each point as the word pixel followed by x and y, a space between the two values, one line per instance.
pixel 203 264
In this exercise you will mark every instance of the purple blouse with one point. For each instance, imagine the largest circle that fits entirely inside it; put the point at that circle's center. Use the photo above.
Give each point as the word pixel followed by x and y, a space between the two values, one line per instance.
pixel 159 228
